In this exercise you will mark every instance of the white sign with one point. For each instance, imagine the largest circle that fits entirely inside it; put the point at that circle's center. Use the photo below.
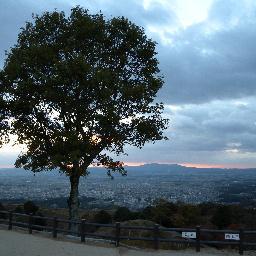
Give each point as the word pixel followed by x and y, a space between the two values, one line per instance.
pixel 232 236
pixel 188 234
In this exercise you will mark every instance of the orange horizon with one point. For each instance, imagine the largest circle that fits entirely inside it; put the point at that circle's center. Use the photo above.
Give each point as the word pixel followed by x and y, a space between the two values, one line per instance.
pixel 204 165
pixel 195 165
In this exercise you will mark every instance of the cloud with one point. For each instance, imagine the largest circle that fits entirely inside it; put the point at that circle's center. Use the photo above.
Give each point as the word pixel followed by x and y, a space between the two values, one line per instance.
pixel 14 14
pixel 209 67
pixel 216 126
pixel 215 59
pixel 204 61
pixel 219 132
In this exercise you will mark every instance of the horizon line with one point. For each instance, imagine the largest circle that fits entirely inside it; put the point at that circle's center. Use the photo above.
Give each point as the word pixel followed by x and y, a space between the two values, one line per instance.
pixel 189 165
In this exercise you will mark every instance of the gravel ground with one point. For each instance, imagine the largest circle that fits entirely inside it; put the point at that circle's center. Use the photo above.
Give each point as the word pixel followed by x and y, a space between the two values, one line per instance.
pixel 16 243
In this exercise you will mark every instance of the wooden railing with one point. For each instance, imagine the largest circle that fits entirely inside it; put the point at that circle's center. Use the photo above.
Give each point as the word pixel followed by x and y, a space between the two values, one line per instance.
pixel 10 219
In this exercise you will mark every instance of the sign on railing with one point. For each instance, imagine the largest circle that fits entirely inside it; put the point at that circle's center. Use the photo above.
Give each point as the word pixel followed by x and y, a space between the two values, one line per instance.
pixel 188 234
pixel 232 236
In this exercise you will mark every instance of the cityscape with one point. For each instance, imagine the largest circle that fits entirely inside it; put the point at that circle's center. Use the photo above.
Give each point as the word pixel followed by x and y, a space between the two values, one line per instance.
pixel 142 186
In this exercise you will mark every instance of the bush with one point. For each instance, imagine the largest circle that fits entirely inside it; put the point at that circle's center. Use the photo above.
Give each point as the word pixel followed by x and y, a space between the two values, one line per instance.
pixel 19 209
pixel 102 217
pixel 2 208
pixel 162 212
pixel 190 214
pixel 30 207
pixel 207 208
pixel 222 217
pixel 122 214
pixel 2 215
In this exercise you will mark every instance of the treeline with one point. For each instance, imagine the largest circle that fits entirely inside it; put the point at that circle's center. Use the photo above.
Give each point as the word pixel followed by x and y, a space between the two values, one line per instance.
pixel 179 214
pixel 168 214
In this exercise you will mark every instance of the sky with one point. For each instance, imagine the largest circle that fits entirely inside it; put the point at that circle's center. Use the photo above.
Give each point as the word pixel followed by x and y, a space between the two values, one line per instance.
pixel 207 55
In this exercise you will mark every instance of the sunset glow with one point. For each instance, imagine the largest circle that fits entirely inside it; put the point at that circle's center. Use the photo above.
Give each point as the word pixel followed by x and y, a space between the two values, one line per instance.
pixel 134 163
pixel 203 165
pixel 222 166
pixel 196 165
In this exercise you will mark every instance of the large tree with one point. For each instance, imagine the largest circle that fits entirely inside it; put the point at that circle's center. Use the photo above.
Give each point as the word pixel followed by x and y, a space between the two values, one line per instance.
pixel 81 87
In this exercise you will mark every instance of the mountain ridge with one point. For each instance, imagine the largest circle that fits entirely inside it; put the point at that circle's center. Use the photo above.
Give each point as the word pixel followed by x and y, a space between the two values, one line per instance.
pixel 145 169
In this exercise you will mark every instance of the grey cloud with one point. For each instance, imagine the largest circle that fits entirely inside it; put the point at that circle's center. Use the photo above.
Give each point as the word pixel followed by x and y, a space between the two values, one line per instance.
pixel 14 14
pixel 199 66
pixel 230 11
pixel 206 66
pixel 202 66
pixel 220 132
pixel 134 10
pixel 225 123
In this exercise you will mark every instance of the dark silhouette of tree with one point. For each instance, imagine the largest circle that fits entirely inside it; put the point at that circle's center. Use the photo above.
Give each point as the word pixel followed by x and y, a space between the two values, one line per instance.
pixel 122 214
pixel 30 207
pixel 80 87
pixel 102 217
pixel 4 113
pixel 162 212
pixel 222 216
pixel 2 208
pixel 19 209
pixel 207 208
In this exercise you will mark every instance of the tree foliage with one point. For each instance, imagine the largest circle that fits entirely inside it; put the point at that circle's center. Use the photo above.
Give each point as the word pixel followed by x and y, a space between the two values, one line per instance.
pixel 102 217
pixel 79 87
pixel 222 216
pixel 122 214
pixel 4 112
pixel 30 207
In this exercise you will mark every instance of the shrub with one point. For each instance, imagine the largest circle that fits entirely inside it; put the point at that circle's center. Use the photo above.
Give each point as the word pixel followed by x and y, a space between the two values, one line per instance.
pixel 102 217
pixel 122 214
pixel 30 207
pixel 2 208
pixel 19 209
pixel 222 217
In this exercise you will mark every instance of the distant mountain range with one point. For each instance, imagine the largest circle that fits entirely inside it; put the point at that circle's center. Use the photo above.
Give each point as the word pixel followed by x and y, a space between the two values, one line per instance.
pixel 150 182
pixel 146 169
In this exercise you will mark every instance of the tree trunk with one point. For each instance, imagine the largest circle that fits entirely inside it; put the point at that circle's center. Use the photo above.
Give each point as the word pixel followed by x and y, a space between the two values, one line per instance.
pixel 73 201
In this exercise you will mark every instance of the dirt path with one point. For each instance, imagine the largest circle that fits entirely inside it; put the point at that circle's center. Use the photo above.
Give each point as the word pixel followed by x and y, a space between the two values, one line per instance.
pixel 13 243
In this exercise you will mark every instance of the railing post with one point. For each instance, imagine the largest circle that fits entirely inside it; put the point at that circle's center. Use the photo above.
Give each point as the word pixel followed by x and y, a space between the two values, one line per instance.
pixel 156 236
pixel 198 239
pixel 55 226
pixel 82 228
pixel 241 242
pixel 10 221
pixel 118 229
pixel 30 223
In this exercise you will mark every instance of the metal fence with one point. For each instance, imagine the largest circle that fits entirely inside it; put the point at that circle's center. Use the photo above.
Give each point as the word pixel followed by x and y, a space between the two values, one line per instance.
pixel 241 239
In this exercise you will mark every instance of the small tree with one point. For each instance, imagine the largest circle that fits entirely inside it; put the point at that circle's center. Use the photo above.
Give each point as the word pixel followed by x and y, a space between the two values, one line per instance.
pixel 2 208
pixel 122 214
pixel 30 207
pixel 102 217
pixel 222 217
pixel 80 87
